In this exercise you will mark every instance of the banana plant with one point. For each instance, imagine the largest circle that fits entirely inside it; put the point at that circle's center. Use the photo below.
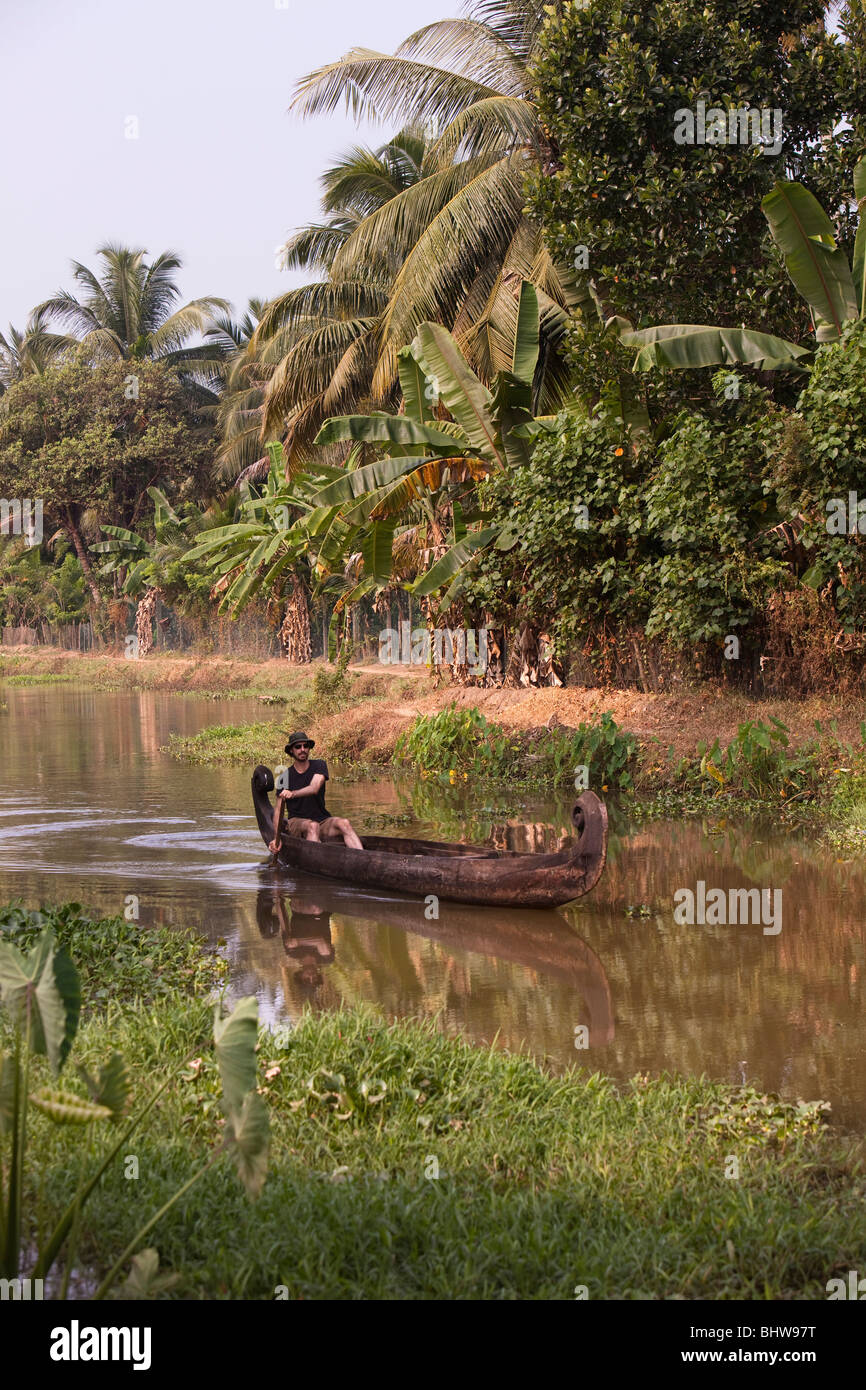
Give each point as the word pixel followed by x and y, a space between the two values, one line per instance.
pixel 432 466
pixel 834 290
pixel 253 553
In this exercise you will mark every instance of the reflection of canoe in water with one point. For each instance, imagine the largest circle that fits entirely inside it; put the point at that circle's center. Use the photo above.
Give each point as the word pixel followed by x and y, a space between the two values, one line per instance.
pixel 540 941
pixel 454 873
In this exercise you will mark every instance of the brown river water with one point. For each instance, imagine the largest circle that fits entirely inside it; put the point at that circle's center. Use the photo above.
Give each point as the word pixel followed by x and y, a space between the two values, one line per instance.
pixel 91 809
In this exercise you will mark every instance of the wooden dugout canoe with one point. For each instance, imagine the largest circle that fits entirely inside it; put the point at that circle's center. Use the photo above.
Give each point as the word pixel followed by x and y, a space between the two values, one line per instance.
pixel 455 873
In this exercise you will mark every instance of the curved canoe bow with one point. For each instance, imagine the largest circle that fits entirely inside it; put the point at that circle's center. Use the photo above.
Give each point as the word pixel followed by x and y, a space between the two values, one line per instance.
pixel 454 872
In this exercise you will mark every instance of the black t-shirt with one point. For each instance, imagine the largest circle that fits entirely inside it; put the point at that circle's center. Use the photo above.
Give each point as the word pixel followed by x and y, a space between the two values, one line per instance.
pixel 308 807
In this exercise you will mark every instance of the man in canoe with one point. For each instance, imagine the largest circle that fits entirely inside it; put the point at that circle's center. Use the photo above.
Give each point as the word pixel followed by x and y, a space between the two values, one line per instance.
pixel 301 787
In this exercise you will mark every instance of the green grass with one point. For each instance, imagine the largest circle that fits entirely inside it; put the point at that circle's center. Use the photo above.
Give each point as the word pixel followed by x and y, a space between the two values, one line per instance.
pixel 227 745
pixel 41 678
pixel 545 1183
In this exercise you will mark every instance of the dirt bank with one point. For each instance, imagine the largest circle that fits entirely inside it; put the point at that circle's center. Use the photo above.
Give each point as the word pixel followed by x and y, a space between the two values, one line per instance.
pixel 382 702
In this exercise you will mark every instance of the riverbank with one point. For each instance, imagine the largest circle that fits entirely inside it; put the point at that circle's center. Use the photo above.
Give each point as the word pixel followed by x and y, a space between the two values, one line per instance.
pixel 378 703
pixel 417 1166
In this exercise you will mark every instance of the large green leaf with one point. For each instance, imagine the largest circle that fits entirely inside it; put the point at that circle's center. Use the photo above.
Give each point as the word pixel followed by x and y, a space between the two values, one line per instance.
pixel 235 1047
pixel 859 263
pixel 542 424
pixel 466 398
pixel 43 983
pixel 247 1130
pixel 130 539
pixel 444 570
pixel 144 1280
pixel 357 482
pixel 395 497
pixel 413 385
pixel 526 336
pixel 320 519
pixel 277 457
pixel 804 234
pixel 399 430
pixel 683 345
pixel 111 1087
pixel 376 549
pixel 511 408
pixel 223 535
pixel 163 511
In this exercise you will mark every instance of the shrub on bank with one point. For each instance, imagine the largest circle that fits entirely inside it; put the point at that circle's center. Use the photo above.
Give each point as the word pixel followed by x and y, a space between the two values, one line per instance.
pixel 461 742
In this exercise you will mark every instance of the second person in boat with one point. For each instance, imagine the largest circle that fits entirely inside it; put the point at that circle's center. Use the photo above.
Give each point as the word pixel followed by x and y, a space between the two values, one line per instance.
pixel 301 791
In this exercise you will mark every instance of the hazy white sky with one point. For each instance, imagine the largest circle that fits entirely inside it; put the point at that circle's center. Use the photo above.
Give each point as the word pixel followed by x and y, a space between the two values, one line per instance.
pixel 220 171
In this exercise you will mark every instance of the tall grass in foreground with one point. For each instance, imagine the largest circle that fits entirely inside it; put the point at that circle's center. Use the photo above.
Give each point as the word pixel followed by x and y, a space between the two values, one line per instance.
pixel 544 1183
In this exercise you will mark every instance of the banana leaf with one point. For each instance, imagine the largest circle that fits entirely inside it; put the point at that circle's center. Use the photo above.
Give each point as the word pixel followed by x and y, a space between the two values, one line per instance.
pixel 453 561
pixel 468 401
pixel 525 357
pixel 398 430
pixel 376 548
pixel 686 345
pixel 819 269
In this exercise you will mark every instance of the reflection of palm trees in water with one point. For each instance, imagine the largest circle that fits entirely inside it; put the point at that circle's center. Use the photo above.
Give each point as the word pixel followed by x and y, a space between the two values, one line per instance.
pixel 305 931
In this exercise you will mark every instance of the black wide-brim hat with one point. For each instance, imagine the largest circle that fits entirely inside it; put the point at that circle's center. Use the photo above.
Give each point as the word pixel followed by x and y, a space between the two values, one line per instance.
pixel 298 738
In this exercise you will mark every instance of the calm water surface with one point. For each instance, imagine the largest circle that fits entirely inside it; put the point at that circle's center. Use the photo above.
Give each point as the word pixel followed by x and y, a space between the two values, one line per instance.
pixel 91 809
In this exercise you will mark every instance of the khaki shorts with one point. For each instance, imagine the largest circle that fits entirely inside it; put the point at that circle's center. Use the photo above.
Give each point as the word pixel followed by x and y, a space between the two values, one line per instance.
pixel 299 825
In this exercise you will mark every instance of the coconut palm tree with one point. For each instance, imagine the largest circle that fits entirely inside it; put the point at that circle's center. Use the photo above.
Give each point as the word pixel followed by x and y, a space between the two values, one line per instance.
pixel 457 235
pixel 33 350
pixel 315 346
pixel 129 310
pixel 241 453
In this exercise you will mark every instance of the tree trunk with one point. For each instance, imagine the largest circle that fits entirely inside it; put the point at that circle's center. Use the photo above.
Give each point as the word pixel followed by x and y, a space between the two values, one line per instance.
pixel 295 630
pixel 83 558
pixel 144 620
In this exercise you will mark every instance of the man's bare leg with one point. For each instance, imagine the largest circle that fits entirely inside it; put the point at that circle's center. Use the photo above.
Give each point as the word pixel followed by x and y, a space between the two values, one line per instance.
pixel 296 825
pixel 338 828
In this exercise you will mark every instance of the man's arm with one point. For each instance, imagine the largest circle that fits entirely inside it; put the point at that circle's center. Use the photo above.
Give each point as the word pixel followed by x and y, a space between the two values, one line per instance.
pixel 315 785
pixel 278 812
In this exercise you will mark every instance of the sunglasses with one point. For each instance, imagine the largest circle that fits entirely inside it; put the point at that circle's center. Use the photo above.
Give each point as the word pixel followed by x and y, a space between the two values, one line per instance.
pixel 308 746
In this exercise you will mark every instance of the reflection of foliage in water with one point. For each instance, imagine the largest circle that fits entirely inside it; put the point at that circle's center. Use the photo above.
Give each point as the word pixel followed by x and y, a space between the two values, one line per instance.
pixel 461 811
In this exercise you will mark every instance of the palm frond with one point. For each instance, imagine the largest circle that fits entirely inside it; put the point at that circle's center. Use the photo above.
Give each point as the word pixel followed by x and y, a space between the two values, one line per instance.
pixel 378 86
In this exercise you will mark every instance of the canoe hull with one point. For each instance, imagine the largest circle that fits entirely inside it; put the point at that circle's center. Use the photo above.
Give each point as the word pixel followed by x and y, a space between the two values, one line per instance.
pixel 453 872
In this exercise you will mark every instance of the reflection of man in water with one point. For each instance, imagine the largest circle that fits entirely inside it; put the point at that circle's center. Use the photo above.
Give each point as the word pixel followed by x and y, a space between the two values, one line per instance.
pixel 308 940
pixel 305 934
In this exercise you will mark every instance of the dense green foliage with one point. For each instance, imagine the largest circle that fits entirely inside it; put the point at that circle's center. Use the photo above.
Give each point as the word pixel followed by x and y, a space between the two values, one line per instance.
pixel 462 743
pixel 89 441
pixel 674 232
pixel 704 535
pixel 32 589
pixel 666 525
